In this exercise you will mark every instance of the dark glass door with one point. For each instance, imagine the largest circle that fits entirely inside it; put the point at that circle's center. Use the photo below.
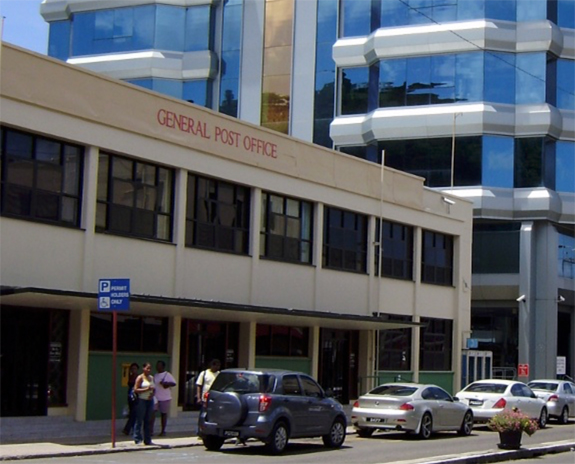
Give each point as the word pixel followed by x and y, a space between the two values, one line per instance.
pixel 24 361
pixel 338 363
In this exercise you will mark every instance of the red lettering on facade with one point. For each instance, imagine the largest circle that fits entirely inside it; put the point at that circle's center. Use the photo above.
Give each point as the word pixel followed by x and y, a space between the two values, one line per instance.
pixel 183 123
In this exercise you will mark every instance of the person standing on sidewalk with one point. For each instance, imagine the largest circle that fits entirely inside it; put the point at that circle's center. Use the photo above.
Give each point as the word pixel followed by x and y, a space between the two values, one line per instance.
pixel 204 383
pixel 132 398
pixel 164 381
pixel 144 387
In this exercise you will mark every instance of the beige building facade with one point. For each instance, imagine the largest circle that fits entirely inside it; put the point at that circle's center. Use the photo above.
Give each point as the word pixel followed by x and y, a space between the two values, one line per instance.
pixel 239 243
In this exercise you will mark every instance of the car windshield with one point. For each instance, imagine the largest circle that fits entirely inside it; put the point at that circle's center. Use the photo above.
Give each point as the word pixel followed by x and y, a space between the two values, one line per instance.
pixel 548 386
pixel 486 388
pixel 393 390
pixel 242 382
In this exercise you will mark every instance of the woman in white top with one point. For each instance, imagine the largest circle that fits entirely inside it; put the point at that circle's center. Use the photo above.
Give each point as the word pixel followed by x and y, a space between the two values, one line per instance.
pixel 144 387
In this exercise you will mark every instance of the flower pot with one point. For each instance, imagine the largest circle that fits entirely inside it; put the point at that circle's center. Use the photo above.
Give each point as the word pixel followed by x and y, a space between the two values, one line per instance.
pixel 510 440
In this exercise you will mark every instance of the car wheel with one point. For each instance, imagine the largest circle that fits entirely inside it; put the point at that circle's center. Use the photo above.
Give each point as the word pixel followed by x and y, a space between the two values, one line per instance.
pixel 278 439
pixel 365 433
pixel 336 435
pixel 426 426
pixel 543 418
pixel 213 443
pixel 564 417
pixel 467 424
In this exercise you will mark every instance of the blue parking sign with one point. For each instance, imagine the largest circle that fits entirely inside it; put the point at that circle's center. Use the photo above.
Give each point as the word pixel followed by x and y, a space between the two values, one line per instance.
pixel 114 294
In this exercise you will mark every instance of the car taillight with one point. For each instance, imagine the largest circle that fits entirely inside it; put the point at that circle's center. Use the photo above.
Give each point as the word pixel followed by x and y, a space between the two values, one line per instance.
pixel 500 404
pixel 553 398
pixel 406 407
pixel 356 404
pixel 265 403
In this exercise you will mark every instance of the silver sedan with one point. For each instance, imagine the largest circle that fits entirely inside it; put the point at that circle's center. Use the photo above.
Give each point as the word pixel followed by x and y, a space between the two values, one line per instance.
pixel 491 396
pixel 410 407
pixel 559 395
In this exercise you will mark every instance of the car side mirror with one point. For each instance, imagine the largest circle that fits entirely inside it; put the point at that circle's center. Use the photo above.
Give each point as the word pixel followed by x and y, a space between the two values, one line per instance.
pixel 329 393
pixel 455 399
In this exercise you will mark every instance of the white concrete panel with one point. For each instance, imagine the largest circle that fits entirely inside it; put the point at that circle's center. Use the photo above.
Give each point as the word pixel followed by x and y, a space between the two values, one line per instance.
pixel 277 283
pixel 39 255
pixel 353 301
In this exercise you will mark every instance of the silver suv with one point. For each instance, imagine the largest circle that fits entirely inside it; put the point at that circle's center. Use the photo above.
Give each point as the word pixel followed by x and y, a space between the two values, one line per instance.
pixel 272 406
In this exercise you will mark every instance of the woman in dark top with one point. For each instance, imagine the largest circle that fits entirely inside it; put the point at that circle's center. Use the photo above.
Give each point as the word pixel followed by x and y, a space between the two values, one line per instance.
pixel 132 398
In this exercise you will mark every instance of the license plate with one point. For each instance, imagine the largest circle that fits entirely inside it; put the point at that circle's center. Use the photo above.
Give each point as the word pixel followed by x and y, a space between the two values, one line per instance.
pixel 231 433
pixel 375 419
pixel 475 402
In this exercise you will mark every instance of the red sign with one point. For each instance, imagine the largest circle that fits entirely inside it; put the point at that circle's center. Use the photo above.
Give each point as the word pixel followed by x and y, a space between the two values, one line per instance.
pixel 523 370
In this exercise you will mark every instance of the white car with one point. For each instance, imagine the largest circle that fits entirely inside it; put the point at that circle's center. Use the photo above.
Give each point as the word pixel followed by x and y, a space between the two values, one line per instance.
pixel 559 395
pixel 410 407
pixel 489 397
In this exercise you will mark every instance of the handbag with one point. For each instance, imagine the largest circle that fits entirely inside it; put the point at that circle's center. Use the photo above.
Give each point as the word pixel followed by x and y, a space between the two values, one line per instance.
pixel 133 396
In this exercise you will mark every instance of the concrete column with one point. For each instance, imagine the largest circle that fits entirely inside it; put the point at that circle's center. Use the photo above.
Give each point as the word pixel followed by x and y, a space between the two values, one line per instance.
pixel 77 382
pixel 179 234
pixel 174 337
pixel 526 295
pixel 89 203
pixel 317 248
pixel 544 330
pixel 254 246
pixel 415 340
pixel 314 350
pixel 366 360
pixel 247 342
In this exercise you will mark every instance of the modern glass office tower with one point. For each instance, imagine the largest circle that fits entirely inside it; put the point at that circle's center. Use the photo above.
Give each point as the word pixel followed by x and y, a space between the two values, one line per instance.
pixel 476 96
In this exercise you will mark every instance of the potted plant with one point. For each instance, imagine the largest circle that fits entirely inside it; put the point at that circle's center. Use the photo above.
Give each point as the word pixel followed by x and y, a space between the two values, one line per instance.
pixel 511 423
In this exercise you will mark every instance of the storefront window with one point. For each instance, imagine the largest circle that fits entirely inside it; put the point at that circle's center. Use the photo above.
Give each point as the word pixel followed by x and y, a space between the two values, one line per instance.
pixel 436 344
pixel 273 340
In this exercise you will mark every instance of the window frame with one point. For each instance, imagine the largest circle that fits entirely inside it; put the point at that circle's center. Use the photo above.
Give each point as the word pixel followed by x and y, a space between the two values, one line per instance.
pixel 398 267
pixel 358 232
pixel 61 194
pixel 109 209
pixel 432 272
pixel 268 229
pixel 436 344
pixel 214 206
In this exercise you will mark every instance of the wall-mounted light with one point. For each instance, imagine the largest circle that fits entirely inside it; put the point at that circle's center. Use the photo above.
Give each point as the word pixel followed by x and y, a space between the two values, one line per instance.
pixel 521 298
pixel 448 201
pixel 561 299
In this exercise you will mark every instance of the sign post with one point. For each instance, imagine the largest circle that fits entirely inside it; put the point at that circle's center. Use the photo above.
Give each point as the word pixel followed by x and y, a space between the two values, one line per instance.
pixel 114 295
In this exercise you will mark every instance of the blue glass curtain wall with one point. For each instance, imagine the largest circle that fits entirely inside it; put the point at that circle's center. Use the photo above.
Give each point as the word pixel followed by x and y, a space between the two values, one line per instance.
pixel 230 63
pixel 194 91
pixel 325 71
pixel 439 79
pixel 490 161
pixel 145 27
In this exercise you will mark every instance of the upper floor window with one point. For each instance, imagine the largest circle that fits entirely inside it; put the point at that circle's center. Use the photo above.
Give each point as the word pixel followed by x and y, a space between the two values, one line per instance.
pixel 286 229
pixel 134 198
pixel 436 344
pixel 566 254
pixel 397 250
pixel 41 178
pixel 344 240
pixel 217 215
pixel 437 258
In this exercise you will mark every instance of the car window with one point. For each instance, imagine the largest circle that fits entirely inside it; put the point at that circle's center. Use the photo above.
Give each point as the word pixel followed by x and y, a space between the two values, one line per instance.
pixel 517 390
pixel 290 385
pixel 393 390
pixel 486 388
pixel 548 386
pixel 567 388
pixel 310 387
pixel 240 382
pixel 440 394
pixel 528 392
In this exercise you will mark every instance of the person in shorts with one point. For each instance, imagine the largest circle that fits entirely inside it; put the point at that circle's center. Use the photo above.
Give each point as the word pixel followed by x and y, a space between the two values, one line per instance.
pixel 163 394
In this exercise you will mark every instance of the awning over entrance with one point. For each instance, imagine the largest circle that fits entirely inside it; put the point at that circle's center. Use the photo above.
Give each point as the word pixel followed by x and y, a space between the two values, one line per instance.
pixel 149 305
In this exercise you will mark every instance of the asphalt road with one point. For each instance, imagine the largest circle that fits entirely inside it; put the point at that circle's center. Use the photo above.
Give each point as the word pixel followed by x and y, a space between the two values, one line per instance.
pixel 387 447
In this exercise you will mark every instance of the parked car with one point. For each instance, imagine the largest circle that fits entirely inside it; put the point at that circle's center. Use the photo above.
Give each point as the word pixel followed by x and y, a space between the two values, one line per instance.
pixel 491 396
pixel 410 407
pixel 271 406
pixel 559 396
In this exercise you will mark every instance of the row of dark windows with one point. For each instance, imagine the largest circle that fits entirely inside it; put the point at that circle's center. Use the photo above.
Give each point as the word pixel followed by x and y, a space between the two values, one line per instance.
pixel 136 199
